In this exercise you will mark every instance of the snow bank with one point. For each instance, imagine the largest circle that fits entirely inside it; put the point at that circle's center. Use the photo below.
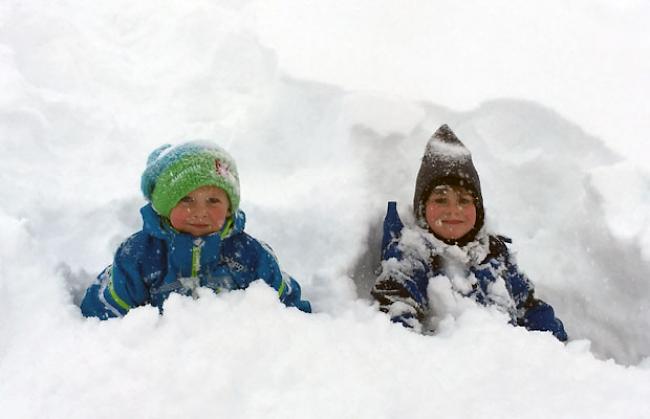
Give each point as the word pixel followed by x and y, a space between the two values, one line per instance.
pixel 89 91
pixel 245 355
pixel 587 59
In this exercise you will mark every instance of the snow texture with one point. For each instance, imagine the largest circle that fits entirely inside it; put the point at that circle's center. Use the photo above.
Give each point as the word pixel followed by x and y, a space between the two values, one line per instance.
pixel 89 89
pixel 451 152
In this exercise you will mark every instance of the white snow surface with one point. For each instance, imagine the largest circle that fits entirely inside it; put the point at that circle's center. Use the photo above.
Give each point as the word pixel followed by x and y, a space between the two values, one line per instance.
pixel 89 89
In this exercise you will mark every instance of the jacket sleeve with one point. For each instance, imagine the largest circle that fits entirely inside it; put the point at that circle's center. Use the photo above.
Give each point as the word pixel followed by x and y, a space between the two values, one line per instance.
pixel 288 288
pixel 120 286
pixel 533 313
pixel 401 290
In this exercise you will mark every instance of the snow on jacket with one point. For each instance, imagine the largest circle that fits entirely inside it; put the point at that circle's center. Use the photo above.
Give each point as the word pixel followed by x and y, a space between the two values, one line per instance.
pixel 158 260
pixel 482 270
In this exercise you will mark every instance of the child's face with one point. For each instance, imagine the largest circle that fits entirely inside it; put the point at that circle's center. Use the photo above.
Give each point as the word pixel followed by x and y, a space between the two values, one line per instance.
pixel 203 211
pixel 450 212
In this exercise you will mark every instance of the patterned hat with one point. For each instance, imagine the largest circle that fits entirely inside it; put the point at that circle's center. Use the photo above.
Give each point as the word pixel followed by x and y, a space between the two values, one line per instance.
pixel 174 171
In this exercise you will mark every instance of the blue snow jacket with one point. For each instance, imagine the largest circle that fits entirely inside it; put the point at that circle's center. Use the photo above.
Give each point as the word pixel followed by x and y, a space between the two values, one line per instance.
pixel 158 260
pixel 401 288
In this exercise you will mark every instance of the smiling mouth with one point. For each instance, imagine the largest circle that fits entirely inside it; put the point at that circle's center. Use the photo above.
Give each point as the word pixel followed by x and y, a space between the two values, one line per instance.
pixel 453 222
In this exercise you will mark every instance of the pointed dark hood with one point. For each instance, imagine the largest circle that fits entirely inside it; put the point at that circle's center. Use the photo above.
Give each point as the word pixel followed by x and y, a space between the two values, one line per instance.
pixel 447 161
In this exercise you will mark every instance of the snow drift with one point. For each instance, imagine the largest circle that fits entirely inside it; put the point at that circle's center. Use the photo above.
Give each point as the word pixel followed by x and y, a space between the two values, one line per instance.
pixel 89 91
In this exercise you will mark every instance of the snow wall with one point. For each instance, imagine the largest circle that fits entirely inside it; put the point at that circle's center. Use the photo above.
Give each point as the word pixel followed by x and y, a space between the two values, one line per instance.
pixel 89 90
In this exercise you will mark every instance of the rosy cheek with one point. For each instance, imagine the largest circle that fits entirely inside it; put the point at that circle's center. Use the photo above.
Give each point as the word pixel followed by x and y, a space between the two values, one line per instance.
pixel 177 216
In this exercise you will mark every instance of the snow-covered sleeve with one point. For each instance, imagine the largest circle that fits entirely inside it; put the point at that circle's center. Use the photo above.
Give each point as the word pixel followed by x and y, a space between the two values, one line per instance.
pixel 400 290
pixel 288 288
pixel 532 313
pixel 120 286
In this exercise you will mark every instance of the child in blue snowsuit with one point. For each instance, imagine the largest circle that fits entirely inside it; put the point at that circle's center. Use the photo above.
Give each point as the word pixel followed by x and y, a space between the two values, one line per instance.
pixel 447 248
pixel 192 236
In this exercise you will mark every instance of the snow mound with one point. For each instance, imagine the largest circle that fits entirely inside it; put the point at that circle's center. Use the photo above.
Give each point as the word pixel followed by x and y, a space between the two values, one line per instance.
pixel 90 90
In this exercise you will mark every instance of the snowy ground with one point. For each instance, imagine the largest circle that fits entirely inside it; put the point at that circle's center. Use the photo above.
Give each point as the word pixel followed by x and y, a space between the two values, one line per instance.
pixel 89 89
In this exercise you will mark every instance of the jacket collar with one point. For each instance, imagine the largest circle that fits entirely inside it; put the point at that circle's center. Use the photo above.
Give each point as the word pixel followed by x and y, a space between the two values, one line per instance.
pixel 158 227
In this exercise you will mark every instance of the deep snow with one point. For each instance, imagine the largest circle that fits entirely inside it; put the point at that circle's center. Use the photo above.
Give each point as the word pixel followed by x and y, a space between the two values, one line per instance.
pixel 89 90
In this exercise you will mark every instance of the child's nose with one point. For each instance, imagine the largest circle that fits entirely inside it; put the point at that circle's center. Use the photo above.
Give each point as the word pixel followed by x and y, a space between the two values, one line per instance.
pixel 456 206
pixel 200 209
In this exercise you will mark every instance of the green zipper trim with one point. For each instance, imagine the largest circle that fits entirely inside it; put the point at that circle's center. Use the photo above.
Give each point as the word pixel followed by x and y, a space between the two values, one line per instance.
pixel 281 290
pixel 225 231
pixel 196 261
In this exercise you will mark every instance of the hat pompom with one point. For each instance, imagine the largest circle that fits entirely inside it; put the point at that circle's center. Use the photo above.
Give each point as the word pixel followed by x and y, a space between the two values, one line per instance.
pixel 152 171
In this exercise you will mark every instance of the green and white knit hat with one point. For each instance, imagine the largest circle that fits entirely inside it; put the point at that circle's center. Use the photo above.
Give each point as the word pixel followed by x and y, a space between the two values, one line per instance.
pixel 174 171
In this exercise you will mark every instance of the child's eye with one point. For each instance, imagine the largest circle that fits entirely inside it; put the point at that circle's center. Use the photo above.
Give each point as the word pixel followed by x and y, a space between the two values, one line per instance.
pixel 186 199
pixel 466 200
pixel 214 200
pixel 440 200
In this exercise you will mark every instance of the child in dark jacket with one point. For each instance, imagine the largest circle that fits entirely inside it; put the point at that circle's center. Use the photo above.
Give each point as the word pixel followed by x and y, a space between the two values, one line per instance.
pixel 447 250
pixel 193 236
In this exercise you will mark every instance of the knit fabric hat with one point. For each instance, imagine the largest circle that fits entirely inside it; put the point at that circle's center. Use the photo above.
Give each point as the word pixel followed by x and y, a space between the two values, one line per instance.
pixel 447 161
pixel 172 172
